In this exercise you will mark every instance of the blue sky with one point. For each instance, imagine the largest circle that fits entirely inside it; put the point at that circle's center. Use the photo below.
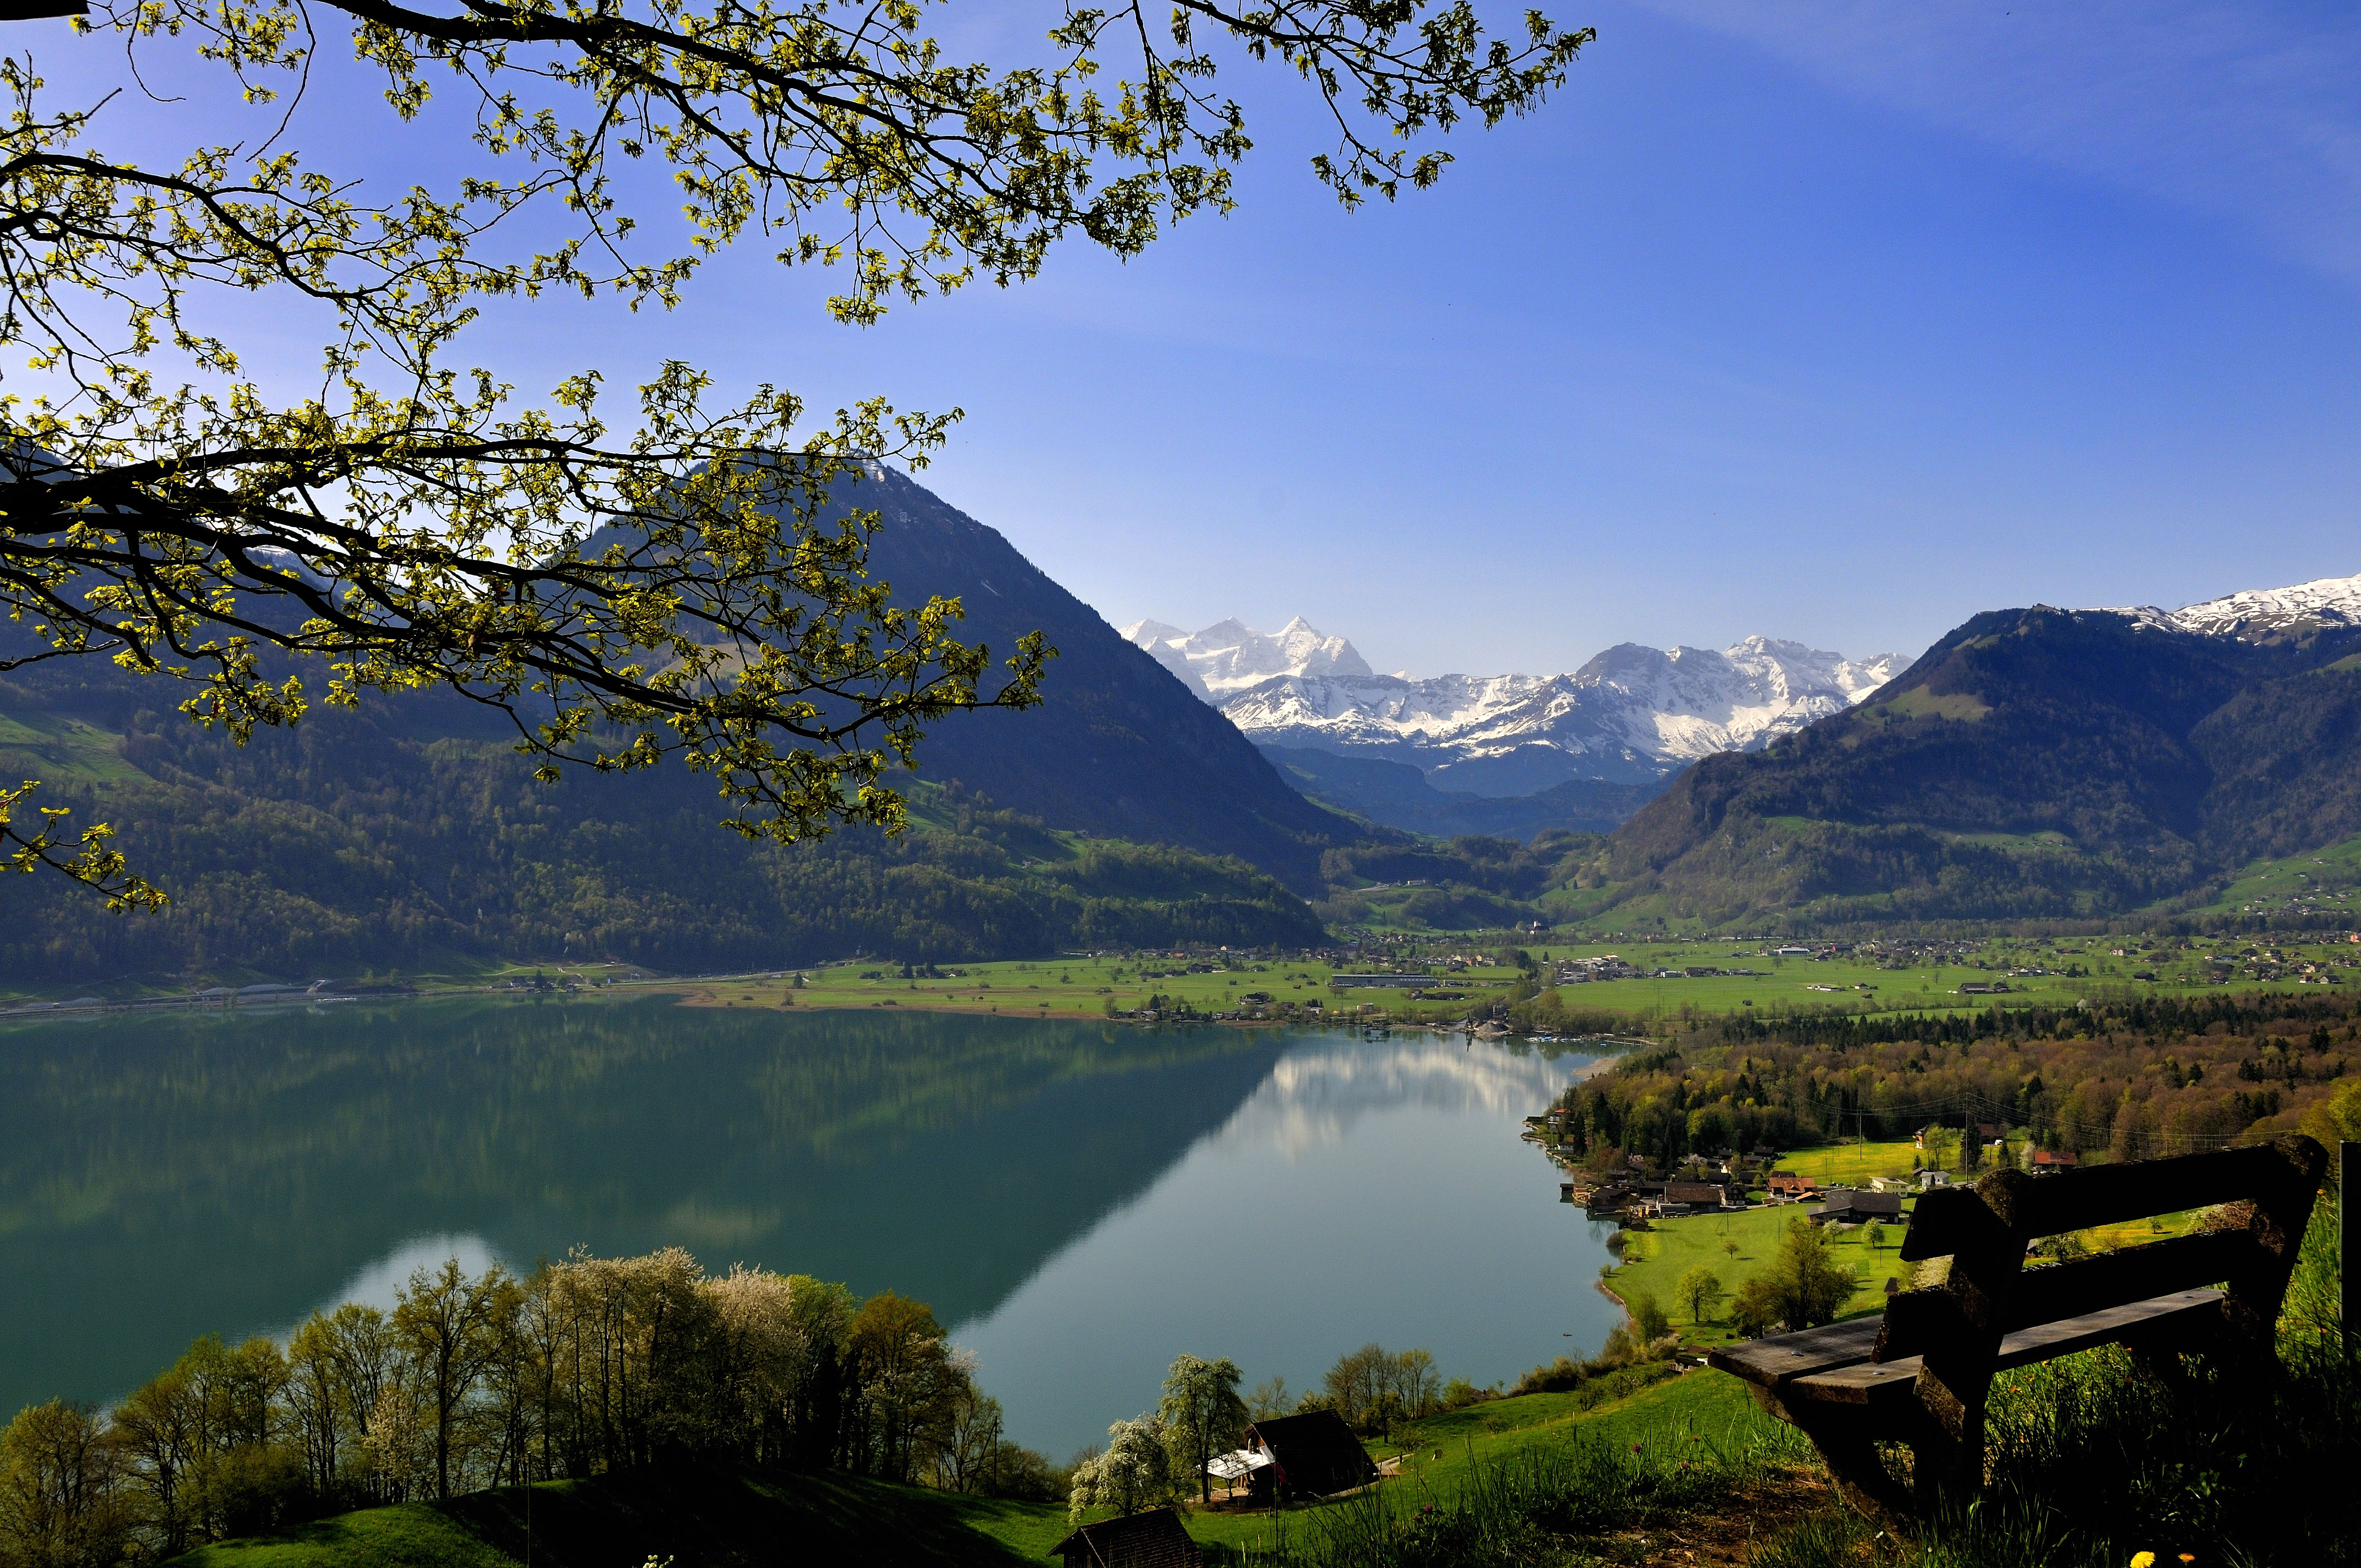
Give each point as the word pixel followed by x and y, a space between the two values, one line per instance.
pixel 1835 322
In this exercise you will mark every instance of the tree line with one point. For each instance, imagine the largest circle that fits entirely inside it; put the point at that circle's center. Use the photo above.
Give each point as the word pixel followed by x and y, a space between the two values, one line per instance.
pixel 2129 1081
pixel 582 1367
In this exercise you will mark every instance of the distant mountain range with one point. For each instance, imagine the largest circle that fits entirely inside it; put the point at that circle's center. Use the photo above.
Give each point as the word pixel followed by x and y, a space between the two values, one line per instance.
pixel 1578 752
pixel 2325 604
pixel 1632 715
pixel 2034 763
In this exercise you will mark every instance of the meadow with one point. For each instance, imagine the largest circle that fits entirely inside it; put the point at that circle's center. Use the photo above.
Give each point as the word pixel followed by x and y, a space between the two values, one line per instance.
pixel 1867 980
pixel 1654 1259
pixel 2037 973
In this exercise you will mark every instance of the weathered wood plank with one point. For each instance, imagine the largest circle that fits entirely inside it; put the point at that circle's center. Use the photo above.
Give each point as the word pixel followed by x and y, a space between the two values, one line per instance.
pixel 1950 1220
pixel 1785 1357
pixel 2032 1206
pixel 1916 1319
pixel 2044 1341
pixel 1877 1384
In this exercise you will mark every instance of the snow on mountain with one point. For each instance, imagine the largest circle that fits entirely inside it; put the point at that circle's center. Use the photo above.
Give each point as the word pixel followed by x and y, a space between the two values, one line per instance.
pixel 1632 714
pixel 2324 602
pixel 1231 656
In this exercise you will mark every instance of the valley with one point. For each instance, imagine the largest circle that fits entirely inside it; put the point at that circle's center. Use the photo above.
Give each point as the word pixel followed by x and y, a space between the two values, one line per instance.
pixel 1641 986
pixel 626 944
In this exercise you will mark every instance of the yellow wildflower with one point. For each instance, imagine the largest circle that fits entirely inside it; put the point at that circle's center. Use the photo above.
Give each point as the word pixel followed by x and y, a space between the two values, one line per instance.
pixel 2143 1560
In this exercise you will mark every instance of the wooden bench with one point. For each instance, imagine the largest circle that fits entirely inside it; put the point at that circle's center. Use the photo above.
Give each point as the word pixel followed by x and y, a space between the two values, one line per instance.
pixel 1918 1374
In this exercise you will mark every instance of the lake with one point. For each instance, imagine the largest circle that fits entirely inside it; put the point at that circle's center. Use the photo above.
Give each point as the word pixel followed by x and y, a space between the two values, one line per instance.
pixel 1080 1200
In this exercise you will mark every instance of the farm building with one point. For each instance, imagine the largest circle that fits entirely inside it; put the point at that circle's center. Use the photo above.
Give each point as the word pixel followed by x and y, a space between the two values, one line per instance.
pixel 1847 1205
pixel 1154 1539
pixel 1314 1453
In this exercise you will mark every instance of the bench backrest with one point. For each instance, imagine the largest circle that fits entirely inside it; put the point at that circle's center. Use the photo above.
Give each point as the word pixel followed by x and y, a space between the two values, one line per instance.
pixel 1985 1229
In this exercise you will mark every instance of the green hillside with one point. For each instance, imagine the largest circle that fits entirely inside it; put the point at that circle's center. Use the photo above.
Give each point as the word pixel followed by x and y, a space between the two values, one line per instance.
pixel 698 1521
pixel 2034 765
pixel 718 1520
pixel 411 836
pixel 2323 884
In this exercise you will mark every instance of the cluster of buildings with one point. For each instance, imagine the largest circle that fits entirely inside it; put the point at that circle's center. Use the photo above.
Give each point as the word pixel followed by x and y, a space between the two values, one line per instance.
pixel 1612 966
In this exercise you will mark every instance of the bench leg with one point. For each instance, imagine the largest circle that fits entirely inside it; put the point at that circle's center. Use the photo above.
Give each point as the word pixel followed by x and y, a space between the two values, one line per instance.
pixel 1863 1481
pixel 1843 1438
pixel 1947 1449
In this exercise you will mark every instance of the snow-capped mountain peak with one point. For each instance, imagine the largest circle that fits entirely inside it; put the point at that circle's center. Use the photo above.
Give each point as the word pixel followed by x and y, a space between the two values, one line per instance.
pixel 1230 656
pixel 2251 612
pixel 1631 713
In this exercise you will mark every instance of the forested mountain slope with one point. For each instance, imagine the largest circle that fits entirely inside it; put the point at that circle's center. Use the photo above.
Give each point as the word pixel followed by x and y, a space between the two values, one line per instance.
pixel 372 840
pixel 1119 747
pixel 2034 763
pixel 1121 811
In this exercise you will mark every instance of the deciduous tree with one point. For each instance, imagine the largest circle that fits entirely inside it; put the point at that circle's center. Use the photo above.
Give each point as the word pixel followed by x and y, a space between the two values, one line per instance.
pixel 907 1380
pixel 1698 1289
pixel 671 584
pixel 1803 1288
pixel 1133 1472
pixel 1202 1414
pixel 60 1503
pixel 449 1325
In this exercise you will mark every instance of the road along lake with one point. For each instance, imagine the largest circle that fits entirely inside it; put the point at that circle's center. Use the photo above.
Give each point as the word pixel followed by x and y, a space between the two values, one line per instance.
pixel 1080 1200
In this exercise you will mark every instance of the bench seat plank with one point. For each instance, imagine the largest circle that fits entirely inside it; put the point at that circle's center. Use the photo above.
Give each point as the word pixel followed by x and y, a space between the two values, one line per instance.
pixel 1785 1357
pixel 1880 1384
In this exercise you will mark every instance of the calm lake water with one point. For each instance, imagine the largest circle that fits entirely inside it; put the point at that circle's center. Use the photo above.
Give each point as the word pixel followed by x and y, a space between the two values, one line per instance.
pixel 1081 1201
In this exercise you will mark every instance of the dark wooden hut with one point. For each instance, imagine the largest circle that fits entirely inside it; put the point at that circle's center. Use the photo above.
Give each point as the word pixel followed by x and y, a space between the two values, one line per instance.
pixel 1156 1539
pixel 1314 1453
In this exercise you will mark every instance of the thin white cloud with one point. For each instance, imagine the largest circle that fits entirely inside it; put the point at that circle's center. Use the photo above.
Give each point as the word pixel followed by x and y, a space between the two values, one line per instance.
pixel 2247 113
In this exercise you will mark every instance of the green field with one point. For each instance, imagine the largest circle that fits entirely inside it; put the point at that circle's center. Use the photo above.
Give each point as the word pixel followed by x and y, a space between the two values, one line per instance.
pixel 2061 973
pixel 1654 1260
pixel 1079 987
pixel 1854 1164
pixel 2037 973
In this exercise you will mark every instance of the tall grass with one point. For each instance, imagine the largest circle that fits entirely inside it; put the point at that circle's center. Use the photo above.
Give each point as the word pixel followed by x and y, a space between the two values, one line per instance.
pixel 2089 1463
pixel 2092 1462
pixel 1534 1504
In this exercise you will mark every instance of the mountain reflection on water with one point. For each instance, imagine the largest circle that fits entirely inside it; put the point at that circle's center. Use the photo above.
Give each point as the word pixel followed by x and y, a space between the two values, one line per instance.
pixel 1367 1189
pixel 167 1176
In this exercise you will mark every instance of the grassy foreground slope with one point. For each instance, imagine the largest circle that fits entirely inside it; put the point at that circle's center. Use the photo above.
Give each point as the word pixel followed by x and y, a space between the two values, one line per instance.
pixel 723 1518
pixel 703 1520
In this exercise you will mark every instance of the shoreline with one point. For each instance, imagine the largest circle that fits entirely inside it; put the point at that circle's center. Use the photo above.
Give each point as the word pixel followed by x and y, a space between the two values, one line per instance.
pixel 696 992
